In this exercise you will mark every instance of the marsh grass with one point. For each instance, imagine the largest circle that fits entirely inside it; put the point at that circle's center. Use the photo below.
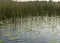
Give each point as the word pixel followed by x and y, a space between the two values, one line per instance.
pixel 23 9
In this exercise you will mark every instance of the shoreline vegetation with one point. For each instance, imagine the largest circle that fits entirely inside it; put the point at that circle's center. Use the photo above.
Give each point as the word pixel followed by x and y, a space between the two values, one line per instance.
pixel 25 9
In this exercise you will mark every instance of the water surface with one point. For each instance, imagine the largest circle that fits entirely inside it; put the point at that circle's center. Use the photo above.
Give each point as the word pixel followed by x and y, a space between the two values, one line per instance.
pixel 34 29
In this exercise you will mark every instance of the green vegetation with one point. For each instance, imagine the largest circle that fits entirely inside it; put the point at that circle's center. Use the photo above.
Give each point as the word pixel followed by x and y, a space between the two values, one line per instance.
pixel 23 9
pixel 1 41
pixel 11 33
pixel 13 38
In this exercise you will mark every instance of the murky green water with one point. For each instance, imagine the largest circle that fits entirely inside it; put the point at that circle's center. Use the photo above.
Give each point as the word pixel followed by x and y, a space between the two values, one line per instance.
pixel 35 29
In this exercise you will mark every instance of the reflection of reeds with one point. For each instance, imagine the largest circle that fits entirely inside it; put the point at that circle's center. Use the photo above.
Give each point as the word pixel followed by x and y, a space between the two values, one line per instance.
pixel 39 23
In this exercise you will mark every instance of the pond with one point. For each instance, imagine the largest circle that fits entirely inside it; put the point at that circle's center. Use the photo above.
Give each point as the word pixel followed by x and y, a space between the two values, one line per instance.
pixel 34 29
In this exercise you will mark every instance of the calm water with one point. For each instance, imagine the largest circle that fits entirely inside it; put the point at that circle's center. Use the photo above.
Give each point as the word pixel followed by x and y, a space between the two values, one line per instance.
pixel 30 30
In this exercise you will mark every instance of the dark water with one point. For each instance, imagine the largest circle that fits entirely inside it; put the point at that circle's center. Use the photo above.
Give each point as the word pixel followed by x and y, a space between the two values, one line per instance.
pixel 31 30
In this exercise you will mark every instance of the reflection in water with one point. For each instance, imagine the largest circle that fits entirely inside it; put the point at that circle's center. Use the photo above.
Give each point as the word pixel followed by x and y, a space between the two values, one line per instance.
pixel 31 30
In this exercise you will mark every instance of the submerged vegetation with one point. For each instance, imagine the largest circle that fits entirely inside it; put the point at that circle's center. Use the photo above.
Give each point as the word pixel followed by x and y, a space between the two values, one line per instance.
pixel 23 9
